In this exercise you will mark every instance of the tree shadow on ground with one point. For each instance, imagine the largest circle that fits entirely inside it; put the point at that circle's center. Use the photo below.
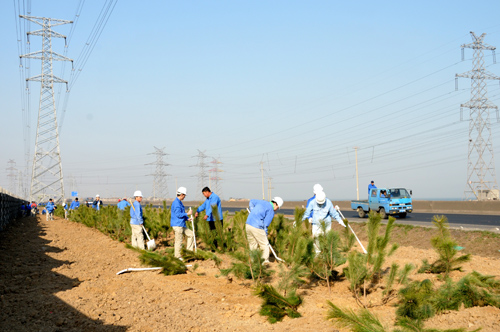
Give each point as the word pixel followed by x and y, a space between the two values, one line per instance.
pixel 28 284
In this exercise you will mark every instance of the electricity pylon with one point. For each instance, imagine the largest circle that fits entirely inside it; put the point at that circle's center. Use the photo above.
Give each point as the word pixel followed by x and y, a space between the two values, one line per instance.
pixel 215 179
pixel 202 173
pixel 481 178
pixel 47 174
pixel 160 189
pixel 12 174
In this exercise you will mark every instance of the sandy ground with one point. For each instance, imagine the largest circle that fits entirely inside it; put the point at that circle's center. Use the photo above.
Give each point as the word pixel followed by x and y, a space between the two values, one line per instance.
pixel 61 276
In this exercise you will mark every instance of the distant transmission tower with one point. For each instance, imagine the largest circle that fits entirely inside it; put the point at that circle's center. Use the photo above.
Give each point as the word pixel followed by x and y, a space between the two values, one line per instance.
pixel 215 179
pixel 12 175
pixel 202 173
pixel 47 175
pixel 160 189
pixel 481 178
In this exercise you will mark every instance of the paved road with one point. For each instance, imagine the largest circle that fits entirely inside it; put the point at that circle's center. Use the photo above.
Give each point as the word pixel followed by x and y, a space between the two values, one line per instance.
pixel 465 221
pixel 458 221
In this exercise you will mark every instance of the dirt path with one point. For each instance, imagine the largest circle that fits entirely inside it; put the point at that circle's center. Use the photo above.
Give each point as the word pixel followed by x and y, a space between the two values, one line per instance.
pixel 61 276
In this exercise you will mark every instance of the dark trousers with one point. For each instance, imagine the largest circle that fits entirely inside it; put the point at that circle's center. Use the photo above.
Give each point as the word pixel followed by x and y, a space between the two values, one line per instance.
pixel 211 224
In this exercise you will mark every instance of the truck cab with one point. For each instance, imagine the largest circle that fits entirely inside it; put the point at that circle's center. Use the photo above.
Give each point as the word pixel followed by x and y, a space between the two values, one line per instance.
pixel 391 201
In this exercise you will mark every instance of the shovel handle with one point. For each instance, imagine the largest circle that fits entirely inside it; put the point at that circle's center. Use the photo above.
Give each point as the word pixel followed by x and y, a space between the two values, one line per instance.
pixel 362 247
pixel 146 232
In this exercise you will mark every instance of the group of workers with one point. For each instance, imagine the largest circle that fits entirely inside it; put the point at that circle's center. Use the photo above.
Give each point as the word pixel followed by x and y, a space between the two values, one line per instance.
pixel 261 213
pixel 51 206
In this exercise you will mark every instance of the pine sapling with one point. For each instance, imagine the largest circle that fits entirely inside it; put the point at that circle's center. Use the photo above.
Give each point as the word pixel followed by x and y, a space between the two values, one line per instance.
pixel 416 301
pixel 276 306
pixel 248 265
pixel 396 277
pixel 347 238
pixel 473 290
pixel 291 278
pixel 169 263
pixel 329 257
pixel 365 321
pixel 445 246
pixel 364 272
pixel 200 255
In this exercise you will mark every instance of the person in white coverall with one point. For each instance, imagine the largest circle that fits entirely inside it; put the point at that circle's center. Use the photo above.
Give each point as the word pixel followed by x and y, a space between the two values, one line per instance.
pixel 322 210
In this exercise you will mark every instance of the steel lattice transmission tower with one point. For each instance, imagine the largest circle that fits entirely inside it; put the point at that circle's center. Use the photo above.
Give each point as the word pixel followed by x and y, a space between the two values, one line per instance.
pixel 160 189
pixel 215 179
pixel 481 178
pixel 47 174
pixel 202 173
pixel 12 175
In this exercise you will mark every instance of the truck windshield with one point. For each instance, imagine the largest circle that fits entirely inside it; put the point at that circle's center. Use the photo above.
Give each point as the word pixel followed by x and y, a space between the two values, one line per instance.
pixel 399 193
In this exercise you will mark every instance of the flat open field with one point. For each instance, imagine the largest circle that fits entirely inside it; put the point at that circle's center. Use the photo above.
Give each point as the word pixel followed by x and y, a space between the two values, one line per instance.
pixel 61 276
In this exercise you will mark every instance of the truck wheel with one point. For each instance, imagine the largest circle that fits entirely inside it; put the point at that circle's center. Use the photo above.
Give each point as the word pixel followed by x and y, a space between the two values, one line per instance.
pixel 382 213
pixel 361 213
pixel 402 215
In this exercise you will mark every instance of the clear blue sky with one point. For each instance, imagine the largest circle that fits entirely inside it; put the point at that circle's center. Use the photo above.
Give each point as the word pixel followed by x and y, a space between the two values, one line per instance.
pixel 293 84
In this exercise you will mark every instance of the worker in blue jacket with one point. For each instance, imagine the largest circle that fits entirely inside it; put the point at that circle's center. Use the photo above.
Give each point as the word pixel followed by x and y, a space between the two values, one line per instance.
pixel 75 204
pixel 50 207
pixel 371 186
pixel 212 202
pixel 178 218
pixel 136 221
pixel 260 217
pixel 123 204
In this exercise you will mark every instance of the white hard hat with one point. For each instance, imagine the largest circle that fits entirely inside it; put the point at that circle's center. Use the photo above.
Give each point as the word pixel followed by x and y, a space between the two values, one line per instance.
pixel 137 193
pixel 320 197
pixel 278 201
pixel 97 195
pixel 182 190
pixel 317 188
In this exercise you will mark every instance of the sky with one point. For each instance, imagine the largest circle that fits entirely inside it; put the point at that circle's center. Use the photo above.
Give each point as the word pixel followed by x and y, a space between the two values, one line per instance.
pixel 275 91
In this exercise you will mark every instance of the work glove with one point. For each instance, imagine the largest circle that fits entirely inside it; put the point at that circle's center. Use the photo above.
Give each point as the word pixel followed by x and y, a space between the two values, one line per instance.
pixel 310 220
pixel 337 207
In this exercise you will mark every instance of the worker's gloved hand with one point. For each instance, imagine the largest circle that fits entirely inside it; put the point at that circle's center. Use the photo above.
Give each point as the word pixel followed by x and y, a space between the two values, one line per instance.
pixel 310 220
pixel 337 207
pixel 294 224
pixel 342 223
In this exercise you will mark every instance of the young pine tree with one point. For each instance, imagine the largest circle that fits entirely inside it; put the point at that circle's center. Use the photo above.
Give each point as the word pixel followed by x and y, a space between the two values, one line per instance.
pixel 446 247
pixel 364 271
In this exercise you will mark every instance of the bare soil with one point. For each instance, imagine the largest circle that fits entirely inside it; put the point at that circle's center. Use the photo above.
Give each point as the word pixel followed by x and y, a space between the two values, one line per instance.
pixel 61 276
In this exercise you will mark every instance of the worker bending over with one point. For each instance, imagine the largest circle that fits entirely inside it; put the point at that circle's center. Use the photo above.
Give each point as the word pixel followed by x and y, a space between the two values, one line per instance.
pixel 258 221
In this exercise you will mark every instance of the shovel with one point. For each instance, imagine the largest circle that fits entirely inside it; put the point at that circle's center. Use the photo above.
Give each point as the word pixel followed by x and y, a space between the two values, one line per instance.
pixel 194 233
pixel 151 242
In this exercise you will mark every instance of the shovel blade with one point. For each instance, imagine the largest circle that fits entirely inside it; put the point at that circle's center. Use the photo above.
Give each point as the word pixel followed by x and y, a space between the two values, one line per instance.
pixel 151 245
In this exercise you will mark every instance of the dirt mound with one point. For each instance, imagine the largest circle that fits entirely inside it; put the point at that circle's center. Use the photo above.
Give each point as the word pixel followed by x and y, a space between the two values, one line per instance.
pixel 61 276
